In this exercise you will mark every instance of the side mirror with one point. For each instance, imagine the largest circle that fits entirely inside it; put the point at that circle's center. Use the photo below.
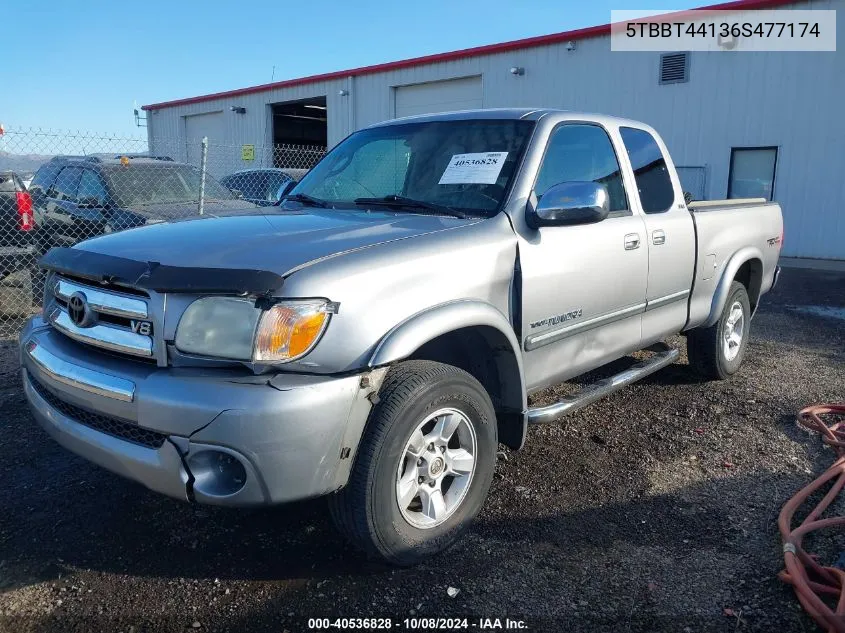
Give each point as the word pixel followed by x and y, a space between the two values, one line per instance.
pixel 568 203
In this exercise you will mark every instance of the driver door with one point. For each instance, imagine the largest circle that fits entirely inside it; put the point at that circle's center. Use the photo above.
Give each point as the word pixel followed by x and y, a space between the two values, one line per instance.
pixel 583 286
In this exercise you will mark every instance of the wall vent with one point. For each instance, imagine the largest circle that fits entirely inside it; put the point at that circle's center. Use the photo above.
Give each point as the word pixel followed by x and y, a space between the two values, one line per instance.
pixel 674 68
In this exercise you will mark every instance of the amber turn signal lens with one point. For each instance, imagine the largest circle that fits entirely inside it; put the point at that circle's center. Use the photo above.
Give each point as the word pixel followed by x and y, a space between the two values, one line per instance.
pixel 289 330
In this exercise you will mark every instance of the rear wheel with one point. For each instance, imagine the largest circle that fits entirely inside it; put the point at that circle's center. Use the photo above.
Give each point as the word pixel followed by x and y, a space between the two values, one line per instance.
pixel 424 466
pixel 717 352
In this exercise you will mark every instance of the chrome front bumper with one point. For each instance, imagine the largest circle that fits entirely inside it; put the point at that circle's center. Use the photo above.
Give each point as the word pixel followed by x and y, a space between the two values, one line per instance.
pixel 293 436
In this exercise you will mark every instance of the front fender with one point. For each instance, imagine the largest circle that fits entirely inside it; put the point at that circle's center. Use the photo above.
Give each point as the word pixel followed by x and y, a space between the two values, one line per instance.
pixel 720 296
pixel 409 335
pixel 406 337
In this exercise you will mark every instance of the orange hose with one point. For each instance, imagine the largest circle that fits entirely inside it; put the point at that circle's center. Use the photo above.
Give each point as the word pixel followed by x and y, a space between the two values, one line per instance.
pixel 809 579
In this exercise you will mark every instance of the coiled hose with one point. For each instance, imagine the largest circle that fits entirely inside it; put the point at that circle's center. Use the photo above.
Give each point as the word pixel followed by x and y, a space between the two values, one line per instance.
pixel 812 581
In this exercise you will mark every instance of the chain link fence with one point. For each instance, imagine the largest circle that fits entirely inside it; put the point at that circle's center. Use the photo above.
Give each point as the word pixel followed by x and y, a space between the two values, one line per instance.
pixel 57 189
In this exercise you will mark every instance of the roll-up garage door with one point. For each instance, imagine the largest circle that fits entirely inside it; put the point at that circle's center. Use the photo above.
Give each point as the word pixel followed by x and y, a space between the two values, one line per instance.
pixel 438 96
pixel 197 126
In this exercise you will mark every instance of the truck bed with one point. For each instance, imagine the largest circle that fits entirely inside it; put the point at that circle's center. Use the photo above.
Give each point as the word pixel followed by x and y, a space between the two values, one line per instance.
pixel 718 205
pixel 726 231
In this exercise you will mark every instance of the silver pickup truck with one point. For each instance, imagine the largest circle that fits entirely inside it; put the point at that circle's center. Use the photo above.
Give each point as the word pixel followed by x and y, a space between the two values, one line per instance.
pixel 376 336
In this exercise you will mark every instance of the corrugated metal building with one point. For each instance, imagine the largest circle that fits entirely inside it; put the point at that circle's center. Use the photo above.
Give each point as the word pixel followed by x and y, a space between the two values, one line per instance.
pixel 737 123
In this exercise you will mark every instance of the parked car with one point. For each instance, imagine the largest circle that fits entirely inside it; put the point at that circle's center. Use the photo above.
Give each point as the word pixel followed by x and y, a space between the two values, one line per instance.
pixel 75 198
pixel 17 246
pixel 263 187
pixel 376 340
pixel 142 155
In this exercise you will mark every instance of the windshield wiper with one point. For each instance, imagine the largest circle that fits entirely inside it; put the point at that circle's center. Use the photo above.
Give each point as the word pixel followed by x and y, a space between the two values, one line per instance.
pixel 410 203
pixel 304 198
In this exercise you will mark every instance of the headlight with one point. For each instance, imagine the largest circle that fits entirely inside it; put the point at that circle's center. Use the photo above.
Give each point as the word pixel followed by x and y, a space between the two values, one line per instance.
pixel 218 326
pixel 289 330
pixel 228 327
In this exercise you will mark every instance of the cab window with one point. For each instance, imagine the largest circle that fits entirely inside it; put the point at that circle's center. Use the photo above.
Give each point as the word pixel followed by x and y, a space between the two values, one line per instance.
pixel 650 171
pixel 66 184
pixel 578 152
pixel 91 189
pixel 44 178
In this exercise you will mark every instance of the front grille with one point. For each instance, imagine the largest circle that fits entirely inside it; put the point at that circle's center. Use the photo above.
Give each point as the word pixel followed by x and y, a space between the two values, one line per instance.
pixel 117 321
pixel 110 287
pixel 105 424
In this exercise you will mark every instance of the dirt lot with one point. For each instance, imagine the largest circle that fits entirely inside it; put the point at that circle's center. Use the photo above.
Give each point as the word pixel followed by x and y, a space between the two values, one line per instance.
pixel 654 510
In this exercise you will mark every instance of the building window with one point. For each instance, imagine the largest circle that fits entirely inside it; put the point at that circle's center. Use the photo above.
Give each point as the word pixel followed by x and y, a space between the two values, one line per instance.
pixel 674 68
pixel 752 172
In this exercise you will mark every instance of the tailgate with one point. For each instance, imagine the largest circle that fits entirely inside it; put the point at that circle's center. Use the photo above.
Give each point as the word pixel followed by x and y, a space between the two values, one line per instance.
pixel 12 239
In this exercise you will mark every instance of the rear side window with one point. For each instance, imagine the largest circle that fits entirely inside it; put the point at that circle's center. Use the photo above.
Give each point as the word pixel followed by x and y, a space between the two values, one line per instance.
pixel 44 178
pixel 91 189
pixel 66 183
pixel 234 182
pixel 252 185
pixel 650 170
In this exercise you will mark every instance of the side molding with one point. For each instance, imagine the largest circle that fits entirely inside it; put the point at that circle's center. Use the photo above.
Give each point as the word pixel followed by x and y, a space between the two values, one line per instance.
pixel 720 296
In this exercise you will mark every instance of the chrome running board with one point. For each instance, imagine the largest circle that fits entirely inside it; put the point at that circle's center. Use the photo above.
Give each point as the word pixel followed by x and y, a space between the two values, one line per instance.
pixel 598 390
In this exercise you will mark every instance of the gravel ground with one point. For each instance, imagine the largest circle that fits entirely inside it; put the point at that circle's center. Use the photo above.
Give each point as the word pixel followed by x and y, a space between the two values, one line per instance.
pixel 654 510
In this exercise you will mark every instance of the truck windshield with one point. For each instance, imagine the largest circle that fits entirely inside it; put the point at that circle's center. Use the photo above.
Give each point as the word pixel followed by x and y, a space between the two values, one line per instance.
pixel 140 184
pixel 465 165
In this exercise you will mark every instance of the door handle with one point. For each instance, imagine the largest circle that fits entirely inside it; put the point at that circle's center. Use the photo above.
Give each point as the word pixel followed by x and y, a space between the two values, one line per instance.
pixel 658 237
pixel 632 241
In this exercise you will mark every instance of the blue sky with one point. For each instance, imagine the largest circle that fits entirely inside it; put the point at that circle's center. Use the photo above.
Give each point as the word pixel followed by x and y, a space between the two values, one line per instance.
pixel 81 65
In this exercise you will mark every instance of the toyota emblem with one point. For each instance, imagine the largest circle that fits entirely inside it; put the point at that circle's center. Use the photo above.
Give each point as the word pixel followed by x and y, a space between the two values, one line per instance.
pixel 79 311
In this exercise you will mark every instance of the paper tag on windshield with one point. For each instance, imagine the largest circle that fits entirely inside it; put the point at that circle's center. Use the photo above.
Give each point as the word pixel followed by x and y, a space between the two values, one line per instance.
pixel 481 168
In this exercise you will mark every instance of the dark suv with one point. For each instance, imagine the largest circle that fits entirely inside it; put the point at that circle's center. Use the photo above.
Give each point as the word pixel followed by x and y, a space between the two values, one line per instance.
pixel 75 198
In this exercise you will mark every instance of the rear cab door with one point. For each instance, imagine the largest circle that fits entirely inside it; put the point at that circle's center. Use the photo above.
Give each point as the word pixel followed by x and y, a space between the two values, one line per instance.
pixel 669 232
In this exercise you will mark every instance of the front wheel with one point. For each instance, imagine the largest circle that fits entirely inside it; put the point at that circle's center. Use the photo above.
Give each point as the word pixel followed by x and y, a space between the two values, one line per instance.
pixel 718 351
pixel 424 465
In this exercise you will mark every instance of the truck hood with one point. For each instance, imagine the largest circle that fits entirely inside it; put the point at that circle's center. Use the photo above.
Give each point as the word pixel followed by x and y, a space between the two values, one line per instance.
pixel 157 212
pixel 275 241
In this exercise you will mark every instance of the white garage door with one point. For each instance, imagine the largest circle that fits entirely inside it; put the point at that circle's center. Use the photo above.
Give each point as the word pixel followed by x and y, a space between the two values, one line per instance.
pixel 197 126
pixel 438 96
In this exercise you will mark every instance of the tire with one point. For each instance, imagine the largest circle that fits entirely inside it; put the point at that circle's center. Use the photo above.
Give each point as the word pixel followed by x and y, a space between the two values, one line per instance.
pixel 367 511
pixel 706 347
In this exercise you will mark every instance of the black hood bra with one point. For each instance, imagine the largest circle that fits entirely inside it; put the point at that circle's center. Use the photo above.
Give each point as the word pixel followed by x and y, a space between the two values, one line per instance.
pixel 157 277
